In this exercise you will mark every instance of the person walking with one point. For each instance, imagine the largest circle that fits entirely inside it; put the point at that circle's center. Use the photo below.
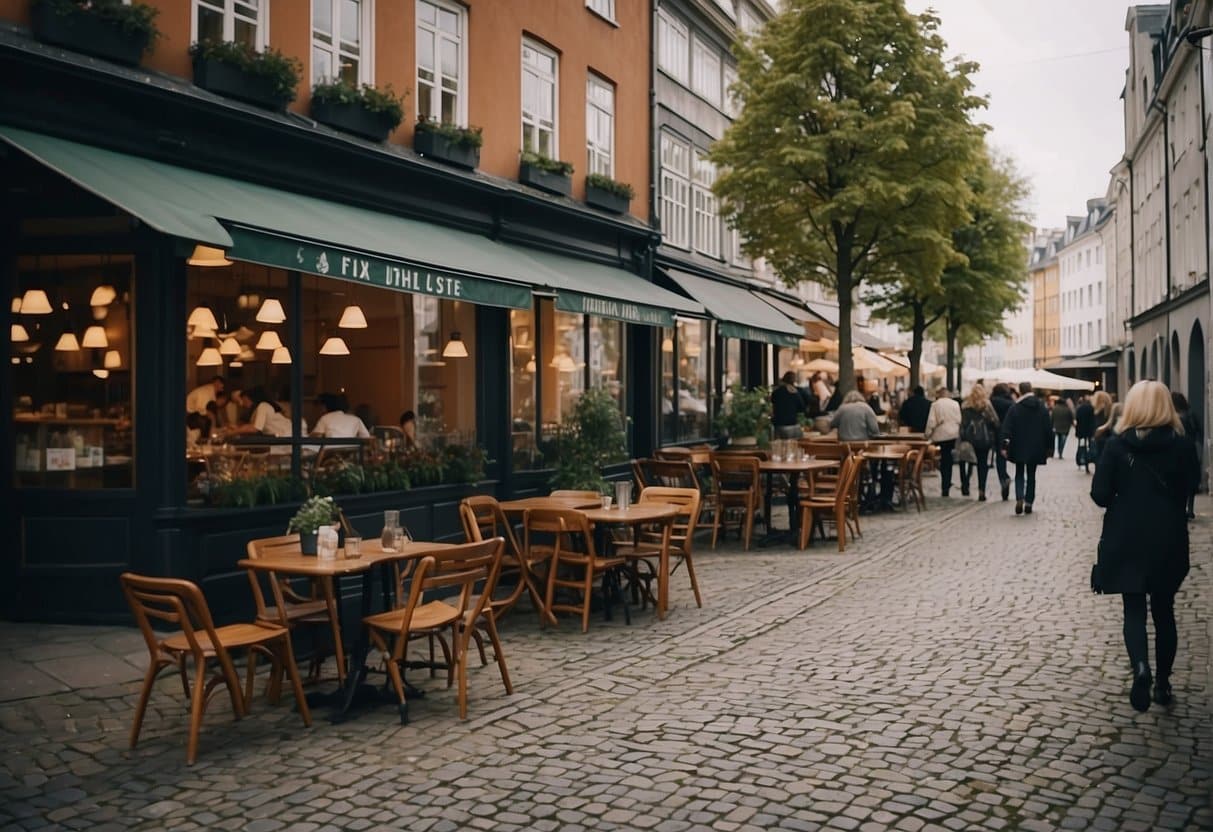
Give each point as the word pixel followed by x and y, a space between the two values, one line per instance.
pixel 914 411
pixel 979 427
pixel 943 429
pixel 1084 432
pixel 787 403
pixel 1063 421
pixel 1101 405
pixel 1194 436
pixel 1002 403
pixel 1142 480
pixel 1027 440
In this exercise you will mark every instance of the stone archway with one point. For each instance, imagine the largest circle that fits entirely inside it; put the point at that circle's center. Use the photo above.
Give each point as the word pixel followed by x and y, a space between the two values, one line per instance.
pixel 1154 360
pixel 1174 377
pixel 1132 367
pixel 1196 373
pixel 1143 369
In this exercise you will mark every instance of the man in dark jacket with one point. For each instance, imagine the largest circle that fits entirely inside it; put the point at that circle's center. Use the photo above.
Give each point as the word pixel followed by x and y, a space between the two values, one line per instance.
pixel 1063 420
pixel 1027 440
pixel 1002 403
pixel 914 411
pixel 787 403
pixel 1084 432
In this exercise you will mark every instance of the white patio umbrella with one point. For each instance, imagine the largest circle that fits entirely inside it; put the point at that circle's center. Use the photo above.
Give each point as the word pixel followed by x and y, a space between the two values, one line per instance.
pixel 823 365
pixel 1045 380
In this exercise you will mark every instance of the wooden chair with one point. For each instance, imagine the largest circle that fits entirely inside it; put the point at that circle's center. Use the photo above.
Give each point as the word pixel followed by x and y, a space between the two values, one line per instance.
pixel 295 611
pixel 482 519
pixel 679 536
pixel 911 478
pixel 836 504
pixel 638 473
pixel 738 489
pixel 561 526
pixel 181 604
pixel 674 452
pixel 456 571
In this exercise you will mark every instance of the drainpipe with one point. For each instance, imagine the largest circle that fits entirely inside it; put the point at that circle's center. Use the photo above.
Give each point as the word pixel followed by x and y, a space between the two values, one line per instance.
pixel 1161 106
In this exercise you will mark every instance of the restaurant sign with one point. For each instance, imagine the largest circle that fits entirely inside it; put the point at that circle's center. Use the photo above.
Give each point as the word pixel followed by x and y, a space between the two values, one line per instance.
pixel 619 310
pixel 728 329
pixel 400 275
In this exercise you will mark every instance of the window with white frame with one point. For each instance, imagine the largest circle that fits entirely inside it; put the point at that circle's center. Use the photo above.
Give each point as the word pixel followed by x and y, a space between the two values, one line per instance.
pixel 441 61
pixel 340 37
pixel 706 212
pixel 673 45
pixel 736 254
pixel 726 6
pixel 243 21
pixel 539 66
pixel 675 191
pixel 748 21
pixel 705 71
pixel 732 107
pixel 606 8
pixel 600 125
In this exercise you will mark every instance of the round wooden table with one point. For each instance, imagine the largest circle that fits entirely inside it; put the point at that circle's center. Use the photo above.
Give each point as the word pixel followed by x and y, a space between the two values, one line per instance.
pixel 636 515
pixel 793 467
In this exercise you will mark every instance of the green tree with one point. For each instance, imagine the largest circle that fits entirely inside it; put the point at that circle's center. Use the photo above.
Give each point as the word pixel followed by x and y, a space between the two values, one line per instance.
pixel 849 156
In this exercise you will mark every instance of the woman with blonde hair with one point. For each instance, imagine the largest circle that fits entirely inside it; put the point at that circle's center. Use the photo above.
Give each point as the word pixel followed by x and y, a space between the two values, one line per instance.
pixel 1102 404
pixel 1143 479
pixel 978 428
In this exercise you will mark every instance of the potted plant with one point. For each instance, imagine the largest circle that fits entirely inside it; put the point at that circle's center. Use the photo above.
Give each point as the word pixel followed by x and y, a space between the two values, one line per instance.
pixel 605 193
pixel 590 437
pixel 314 513
pixel 449 143
pixel 747 416
pixel 107 29
pixel 364 111
pixel 267 78
pixel 546 174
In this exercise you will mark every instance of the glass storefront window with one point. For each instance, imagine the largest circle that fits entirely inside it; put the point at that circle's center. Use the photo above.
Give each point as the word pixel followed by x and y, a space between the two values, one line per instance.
pixel 730 371
pixel 669 417
pixel 561 366
pixel 607 356
pixel 693 363
pixel 523 367
pixel 71 361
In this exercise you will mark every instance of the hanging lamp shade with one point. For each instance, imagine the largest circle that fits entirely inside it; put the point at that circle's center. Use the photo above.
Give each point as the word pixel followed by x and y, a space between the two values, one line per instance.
pixel 202 318
pixel 271 312
pixel 113 359
pixel 352 318
pixel 208 256
pixel 230 346
pixel 35 302
pixel 564 363
pixel 455 348
pixel 235 363
pixel 18 334
pixel 94 338
pixel 269 340
pixel 334 346
pixel 101 373
pixel 103 295
pixel 100 313
pixel 281 356
pixel 16 306
pixel 210 358
pixel 530 365
pixel 667 344
pixel 67 343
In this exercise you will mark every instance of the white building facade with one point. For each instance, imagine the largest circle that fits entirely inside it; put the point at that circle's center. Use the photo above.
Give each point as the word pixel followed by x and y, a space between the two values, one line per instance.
pixel 1084 303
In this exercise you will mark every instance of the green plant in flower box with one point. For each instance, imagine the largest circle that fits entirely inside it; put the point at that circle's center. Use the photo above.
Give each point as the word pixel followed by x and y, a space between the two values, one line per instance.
pixel 620 189
pixel 747 414
pixel 541 162
pixel 466 137
pixel 313 514
pixel 280 71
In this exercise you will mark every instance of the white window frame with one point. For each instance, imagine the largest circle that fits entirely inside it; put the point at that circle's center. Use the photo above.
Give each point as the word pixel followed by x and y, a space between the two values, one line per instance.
pixel 729 102
pixel 228 9
pixel 706 74
pixel 675 63
pixel 461 43
pixel 675 192
pixel 603 8
pixel 366 40
pixel 554 79
pixel 705 209
pixel 748 21
pixel 594 110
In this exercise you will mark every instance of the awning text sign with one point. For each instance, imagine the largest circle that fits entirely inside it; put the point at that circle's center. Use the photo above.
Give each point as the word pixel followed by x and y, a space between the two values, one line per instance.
pixel 729 329
pixel 619 310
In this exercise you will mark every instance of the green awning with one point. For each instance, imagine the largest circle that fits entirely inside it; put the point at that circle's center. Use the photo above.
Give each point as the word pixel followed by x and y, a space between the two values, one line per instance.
pixel 741 314
pixel 279 228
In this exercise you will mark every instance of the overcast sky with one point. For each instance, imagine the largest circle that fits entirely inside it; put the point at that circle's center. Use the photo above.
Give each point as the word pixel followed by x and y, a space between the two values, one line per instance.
pixel 1053 71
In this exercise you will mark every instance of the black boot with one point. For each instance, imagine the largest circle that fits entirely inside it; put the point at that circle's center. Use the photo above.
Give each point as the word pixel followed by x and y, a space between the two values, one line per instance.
pixel 1139 694
pixel 1006 490
pixel 1162 690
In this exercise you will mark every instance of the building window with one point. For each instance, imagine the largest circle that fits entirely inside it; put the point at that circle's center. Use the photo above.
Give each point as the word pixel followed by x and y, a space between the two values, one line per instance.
pixel 340 28
pixel 707 217
pixel 606 8
pixel 607 352
pixel 749 22
pixel 441 61
pixel 672 46
pixel 539 66
pixel 242 21
pixel 732 107
pixel 675 191
pixel 600 126
pixel 705 71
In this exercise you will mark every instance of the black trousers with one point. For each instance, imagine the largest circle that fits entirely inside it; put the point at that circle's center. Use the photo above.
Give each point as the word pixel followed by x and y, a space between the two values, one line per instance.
pixel 945 465
pixel 1166 638
pixel 983 471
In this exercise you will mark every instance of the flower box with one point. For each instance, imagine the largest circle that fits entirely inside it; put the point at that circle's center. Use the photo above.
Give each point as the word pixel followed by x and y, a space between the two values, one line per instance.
pixel 353 118
pixel 606 200
pixel 82 31
pixel 554 183
pixel 442 149
pixel 222 78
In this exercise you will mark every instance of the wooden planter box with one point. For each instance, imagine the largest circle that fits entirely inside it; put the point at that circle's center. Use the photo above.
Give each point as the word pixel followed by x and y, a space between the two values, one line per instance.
pixel 606 200
pixel 87 33
pixel 553 183
pixel 351 118
pixel 229 81
pixel 441 149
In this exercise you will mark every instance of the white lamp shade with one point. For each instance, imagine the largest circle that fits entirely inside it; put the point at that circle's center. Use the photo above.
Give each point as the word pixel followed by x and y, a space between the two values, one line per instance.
pixel 236 363
pixel 271 312
pixel 16 305
pixel 230 346
pixel 113 359
pixel 94 338
pixel 352 318
pixel 202 318
pixel 281 356
pixel 208 256
pixel 530 366
pixel 455 348
pixel 269 340
pixel 564 363
pixel 35 302
pixel 202 332
pixel 67 343
pixel 100 313
pixel 103 295
pixel 667 344
pixel 334 346
pixel 101 373
pixel 210 358
pixel 18 334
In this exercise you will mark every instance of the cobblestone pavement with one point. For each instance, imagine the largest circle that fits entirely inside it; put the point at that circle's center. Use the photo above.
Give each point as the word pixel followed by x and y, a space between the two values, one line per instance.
pixel 950 671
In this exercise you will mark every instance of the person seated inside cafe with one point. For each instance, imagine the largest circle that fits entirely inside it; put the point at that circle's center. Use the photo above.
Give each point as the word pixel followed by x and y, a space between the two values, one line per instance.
pixel 408 426
pixel 855 420
pixel 197 427
pixel 204 394
pixel 238 409
pixel 336 423
pixel 268 418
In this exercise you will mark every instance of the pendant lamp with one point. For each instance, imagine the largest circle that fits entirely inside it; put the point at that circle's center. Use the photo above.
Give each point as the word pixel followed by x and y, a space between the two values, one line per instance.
pixel 334 346
pixel 281 356
pixel 667 344
pixel 101 373
pixel 352 318
pixel 94 338
pixel 113 359
pixel 271 312
pixel 210 358
pixel 67 343
pixel 35 302
pixel 103 295
pixel 269 340
pixel 208 256
pixel 455 348
pixel 18 334
pixel 230 346
pixel 16 306
pixel 202 318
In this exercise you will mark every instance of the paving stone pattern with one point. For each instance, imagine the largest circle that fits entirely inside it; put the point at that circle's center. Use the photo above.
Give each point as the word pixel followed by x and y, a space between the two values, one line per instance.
pixel 950 671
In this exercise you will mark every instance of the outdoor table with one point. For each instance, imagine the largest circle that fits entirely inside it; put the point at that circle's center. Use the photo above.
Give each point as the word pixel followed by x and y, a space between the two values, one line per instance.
pixel 795 467
pixel 882 457
pixel 527 503
pixel 636 516
pixel 311 566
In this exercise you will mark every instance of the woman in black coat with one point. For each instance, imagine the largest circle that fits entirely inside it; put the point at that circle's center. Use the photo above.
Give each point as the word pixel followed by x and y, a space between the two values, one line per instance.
pixel 1143 479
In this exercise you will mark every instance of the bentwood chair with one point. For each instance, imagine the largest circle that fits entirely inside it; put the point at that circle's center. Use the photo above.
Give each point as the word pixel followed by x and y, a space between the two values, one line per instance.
pixel 834 504
pixel 680 542
pixel 483 519
pixel 181 604
pixel 565 529
pixel 738 494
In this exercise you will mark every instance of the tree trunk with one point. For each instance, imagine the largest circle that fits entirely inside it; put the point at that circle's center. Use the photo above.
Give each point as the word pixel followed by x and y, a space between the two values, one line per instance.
pixel 951 329
pixel 846 359
pixel 917 333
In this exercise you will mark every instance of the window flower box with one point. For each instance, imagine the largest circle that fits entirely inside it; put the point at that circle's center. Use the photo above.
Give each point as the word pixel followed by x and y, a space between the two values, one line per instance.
pixel 546 174
pixel 367 112
pixel 448 143
pixel 608 195
pixel 120 34
pixel 265 79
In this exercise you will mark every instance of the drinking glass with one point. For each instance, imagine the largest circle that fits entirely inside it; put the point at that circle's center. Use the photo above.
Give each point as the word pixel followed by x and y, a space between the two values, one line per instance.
pixel 607 500
pixel 390 538
pixel 353 547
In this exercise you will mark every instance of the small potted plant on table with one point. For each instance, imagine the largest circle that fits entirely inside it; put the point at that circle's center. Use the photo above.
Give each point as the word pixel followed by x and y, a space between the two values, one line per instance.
pixel 364 111
pixel 109 29
pixel 266 78
pixel 315 513
pixel 606 193
pixel 449 143
pixel 546 174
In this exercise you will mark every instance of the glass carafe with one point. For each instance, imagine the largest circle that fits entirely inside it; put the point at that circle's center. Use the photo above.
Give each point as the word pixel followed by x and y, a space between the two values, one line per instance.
pixel 389 539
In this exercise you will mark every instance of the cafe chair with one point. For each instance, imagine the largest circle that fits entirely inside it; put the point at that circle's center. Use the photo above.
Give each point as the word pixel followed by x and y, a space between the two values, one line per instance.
pixel 455 574
pixel 835 504
pixel 563 527
pixel 315 613
pixel 910 483
pixel 678 536
pixel 181 604
pixel 482 519
pixel 738 494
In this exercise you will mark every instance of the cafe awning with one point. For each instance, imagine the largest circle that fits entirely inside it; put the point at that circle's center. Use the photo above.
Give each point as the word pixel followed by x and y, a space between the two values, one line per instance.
pixel 266 225
pixel 741 313
pixel 815 326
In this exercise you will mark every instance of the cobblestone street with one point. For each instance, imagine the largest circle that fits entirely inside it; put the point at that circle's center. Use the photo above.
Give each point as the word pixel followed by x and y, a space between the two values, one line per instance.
pixel 950 671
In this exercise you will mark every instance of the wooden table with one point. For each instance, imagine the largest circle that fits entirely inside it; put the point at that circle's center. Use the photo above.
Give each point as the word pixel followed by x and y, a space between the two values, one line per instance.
pixel 881 456
pixel 794 467
pixel 636 515
pixel 527 503
pixel 373 554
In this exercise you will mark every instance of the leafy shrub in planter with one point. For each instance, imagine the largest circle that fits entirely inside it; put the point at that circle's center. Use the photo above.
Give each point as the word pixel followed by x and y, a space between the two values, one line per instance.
pixel 611 186
pixel 366 111
pixel 748 414
pixel 605 193
pixel 267 78
pixel 105 28
pixel 314 513
pixel 546 174
pixel 590 437
pixel 462 464
pixel 448 142
pixel 465 137
pixel 543 163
